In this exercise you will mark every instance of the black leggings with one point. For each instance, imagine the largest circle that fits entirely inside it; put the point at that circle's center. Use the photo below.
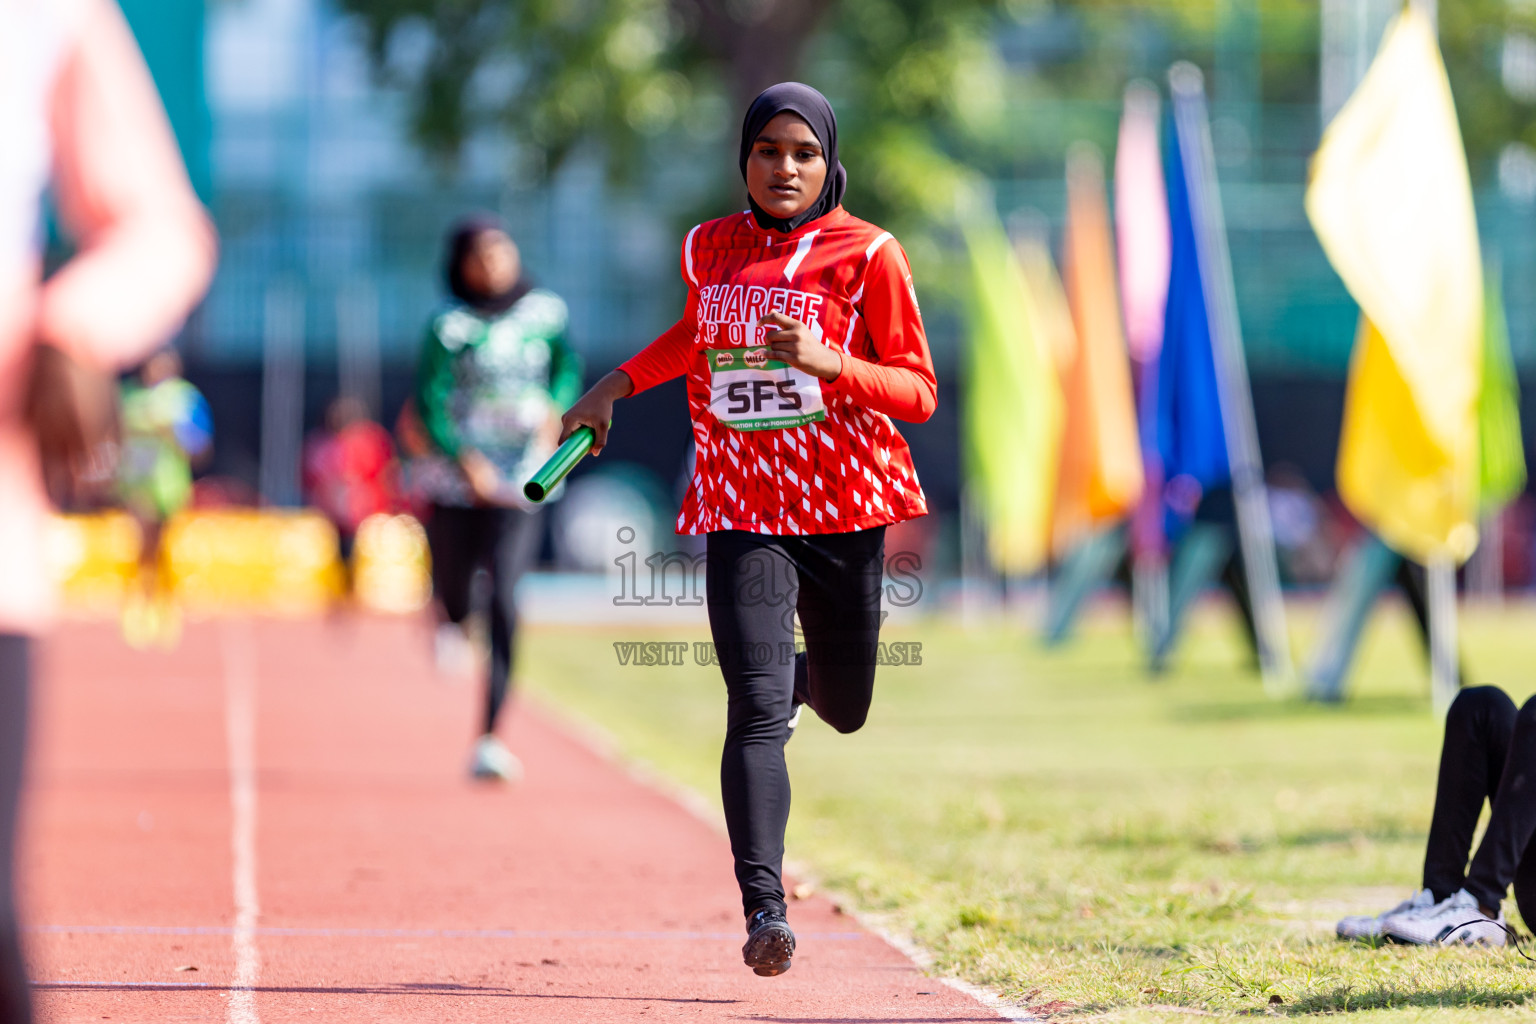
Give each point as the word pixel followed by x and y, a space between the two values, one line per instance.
pixel 15 678
pixel 502 541
pixel 756 586
pixel 1489 753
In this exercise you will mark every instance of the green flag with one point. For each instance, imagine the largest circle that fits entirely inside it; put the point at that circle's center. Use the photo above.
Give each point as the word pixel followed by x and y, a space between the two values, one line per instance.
pixel 1012 415
pixel 1501 451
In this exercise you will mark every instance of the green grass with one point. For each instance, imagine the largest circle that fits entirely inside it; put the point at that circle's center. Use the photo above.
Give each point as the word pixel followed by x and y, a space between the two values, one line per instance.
pixel 1090 842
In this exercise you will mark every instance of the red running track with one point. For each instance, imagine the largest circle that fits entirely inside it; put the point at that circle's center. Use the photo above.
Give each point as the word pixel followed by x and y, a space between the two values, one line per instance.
pixel 273 824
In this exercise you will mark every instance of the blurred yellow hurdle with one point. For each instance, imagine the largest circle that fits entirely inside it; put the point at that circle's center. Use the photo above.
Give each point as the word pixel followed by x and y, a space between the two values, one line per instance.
pixel 283 562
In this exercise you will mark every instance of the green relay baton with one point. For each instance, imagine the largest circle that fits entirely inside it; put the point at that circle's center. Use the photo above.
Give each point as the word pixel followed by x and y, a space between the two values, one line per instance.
pixel 562 462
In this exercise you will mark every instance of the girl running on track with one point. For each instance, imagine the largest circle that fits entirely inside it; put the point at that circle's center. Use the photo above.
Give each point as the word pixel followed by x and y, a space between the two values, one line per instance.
pixel 167 427
pixel 495 373
pixel 801 340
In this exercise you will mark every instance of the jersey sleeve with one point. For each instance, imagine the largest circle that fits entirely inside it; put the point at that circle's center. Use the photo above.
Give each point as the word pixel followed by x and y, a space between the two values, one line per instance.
pixel 565 368
pixel 434 386
pixel 669 355
pixel 899 381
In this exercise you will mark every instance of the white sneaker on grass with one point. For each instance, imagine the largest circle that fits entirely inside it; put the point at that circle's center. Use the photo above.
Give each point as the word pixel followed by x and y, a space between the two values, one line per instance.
pixel 1359 926
pixel 492 760
pixel 1454 920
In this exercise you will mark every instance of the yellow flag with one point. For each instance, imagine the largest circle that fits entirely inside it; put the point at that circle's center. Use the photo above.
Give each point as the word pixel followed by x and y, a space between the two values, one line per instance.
pixel 1101 472
pixel 1391 201
pixel 1011 425
pixel 1050 314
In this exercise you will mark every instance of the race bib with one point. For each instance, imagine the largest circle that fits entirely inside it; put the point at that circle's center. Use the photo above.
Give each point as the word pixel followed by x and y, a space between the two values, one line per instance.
pixel 749 391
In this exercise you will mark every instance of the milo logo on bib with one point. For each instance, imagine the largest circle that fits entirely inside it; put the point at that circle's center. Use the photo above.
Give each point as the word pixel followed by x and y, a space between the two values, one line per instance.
pixel 750 391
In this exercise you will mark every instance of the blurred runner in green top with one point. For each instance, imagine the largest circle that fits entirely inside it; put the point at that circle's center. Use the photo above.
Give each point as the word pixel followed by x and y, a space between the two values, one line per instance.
pixel 494 378
pixel 495 371
pixel 166 426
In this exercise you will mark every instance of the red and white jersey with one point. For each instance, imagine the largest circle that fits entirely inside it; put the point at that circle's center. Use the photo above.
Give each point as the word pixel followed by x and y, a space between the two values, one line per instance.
pixel 779 452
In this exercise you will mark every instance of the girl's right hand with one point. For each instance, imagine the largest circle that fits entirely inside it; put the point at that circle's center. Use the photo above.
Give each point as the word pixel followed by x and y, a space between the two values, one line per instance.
pixel 595 408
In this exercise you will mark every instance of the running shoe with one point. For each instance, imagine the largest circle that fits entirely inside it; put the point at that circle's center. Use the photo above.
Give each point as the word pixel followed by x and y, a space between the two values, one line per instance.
pixel 493 761
pixel 794 716
pixel 1454 920
pixel 770 943
pixel 452 650
pixel 1359 926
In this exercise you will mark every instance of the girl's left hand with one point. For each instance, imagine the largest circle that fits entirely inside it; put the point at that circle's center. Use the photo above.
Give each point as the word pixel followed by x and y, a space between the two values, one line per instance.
pixel 790 341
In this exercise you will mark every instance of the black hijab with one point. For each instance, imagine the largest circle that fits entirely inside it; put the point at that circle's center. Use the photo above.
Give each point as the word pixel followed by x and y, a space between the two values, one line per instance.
pixel 812 107
pixel 460 241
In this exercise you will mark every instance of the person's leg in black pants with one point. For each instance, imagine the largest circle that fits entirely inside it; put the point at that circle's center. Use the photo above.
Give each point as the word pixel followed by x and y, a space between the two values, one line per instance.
pixel 753 582
pixel 1525 885
pixel 514 541
pixel 1489 754
pixel 454 538
pixel 839 608
pixel 15 679
pixel 1511 820
pixel 1478 729
pixel 748 580
pixel 1413 580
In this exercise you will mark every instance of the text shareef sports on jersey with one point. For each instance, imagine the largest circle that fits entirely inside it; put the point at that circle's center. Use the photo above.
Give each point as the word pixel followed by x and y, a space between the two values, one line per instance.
pixel 728 313
pixel 748 389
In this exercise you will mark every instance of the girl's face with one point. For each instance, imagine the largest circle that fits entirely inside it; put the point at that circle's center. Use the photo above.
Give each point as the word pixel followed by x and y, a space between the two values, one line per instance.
pixel 786 168
pixel 492 264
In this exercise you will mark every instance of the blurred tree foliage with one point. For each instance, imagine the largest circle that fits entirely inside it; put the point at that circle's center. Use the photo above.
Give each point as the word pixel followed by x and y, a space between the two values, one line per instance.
pixel 653 84
pixel 928 92
pixel 1490 56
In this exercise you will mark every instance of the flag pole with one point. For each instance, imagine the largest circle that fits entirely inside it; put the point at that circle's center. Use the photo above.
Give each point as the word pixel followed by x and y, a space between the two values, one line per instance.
pixel 1444 659
pixel 1255 534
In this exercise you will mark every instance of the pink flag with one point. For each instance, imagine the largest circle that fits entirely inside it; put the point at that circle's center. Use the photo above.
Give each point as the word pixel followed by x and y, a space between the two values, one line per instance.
pixel 1141 222
pixel 1146 252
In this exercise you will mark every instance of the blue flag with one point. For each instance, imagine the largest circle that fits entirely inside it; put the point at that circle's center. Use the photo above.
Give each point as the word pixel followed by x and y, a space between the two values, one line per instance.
pixel 1187 431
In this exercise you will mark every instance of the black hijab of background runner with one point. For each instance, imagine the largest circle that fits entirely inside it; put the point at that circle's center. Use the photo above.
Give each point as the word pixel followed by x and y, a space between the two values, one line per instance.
pixel 461 239
pixel 811 107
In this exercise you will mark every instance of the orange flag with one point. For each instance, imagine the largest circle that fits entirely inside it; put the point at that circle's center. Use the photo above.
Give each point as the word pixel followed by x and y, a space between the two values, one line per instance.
pixel 1101 474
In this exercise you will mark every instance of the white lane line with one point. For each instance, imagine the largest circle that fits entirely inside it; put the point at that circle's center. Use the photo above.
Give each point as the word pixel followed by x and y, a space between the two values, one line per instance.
pixel 174 986
pixel 923 959
pixel 421 933
pixel 240 730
